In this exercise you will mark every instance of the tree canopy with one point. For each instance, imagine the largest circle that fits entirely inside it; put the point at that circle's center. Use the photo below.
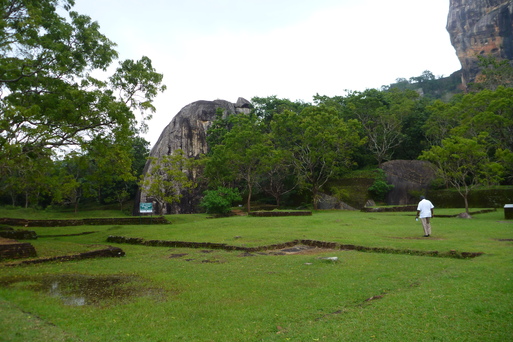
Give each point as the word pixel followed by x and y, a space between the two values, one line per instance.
pixel 464 164
pixel 50 103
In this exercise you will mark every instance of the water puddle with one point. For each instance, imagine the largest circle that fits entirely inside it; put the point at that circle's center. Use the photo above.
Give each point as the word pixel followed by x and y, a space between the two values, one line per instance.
pixel 79 290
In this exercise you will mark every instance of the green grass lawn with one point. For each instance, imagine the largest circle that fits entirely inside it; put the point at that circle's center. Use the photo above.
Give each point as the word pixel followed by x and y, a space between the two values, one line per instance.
pixel 182 294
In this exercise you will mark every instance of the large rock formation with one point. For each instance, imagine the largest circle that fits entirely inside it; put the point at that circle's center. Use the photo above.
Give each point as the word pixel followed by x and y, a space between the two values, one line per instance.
pixel 480 28
pixel 188 131
pixel 410 178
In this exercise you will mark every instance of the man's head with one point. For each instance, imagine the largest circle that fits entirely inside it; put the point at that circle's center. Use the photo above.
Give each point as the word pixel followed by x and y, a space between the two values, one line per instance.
pixel 422 198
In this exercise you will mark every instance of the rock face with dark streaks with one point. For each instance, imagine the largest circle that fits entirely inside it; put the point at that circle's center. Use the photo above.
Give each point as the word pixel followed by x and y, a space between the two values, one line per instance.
pixel 480 28
pixel 410 178
pixel 188 131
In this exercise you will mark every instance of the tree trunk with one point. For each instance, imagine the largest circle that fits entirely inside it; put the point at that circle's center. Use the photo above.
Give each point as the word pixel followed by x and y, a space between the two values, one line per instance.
pixel 315 199
pixel 248 203
pixel 465 198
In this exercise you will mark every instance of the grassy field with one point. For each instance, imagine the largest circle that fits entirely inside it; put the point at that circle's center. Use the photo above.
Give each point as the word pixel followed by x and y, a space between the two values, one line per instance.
pixel 183 294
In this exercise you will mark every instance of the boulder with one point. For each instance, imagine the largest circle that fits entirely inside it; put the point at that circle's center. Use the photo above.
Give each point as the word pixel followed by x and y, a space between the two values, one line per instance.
pixel 464 216
pixel 410 178
pixel 188 131
pixel 330 202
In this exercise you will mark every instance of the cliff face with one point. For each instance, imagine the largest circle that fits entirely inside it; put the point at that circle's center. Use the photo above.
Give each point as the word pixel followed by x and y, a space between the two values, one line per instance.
pixel 188 131
pixel 480 28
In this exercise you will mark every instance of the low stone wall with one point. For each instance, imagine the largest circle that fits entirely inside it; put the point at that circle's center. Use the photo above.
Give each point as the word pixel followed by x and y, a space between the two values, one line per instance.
pixel 12 249
pixel 390 209
pixel 313 243
pixel 279 213
pixel 109 252
pixel 18 234
pixel 414 209
pixel 84 222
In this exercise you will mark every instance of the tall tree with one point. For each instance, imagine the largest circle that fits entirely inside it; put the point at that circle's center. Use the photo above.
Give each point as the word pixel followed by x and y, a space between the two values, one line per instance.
pixel 48 97
pixel 244 152
pixel 442 119
pixel 266 107
pixel 464 164
pixel 381 115
pixel 321 142
pixel 69 180
pixel 487 111
pixel 278 177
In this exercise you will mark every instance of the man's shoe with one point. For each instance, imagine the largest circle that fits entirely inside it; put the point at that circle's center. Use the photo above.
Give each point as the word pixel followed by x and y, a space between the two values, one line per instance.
pixel 426 236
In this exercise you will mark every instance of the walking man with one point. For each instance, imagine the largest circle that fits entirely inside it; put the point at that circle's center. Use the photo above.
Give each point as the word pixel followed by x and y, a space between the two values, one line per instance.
pixel 425 213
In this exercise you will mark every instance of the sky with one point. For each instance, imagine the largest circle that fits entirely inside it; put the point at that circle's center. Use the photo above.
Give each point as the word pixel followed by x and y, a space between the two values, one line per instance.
pixel 293 49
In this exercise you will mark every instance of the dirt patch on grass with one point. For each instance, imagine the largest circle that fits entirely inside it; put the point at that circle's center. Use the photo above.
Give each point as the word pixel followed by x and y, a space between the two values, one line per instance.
pixel 177 255
pixel 305 250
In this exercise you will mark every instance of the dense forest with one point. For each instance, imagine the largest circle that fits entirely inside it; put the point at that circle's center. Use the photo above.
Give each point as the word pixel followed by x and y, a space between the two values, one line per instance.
pixel 69 139
pixel 288 147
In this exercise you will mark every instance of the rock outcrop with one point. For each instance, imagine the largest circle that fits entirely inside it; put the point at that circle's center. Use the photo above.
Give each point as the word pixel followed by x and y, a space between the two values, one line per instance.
pixel 187 131
pixel 480 28
pixel 410 178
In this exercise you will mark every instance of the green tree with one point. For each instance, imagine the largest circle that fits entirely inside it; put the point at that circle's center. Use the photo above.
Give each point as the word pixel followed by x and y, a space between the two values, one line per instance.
pixel 220 200
pixel 49 99
pixel 216 132
pixel 241 155
pixel 464 164
pixel 321 143
pixel 110 170
pixel 505 157
pixel 28 178
pixel 442 119
pixel 494 73
pixel 489 111
pixel 266 107
pixel 278 174
pixel 381 115
pixel 167 179
pixel 69 180
pixel 380 188
pixel 425 77
pixel 137 84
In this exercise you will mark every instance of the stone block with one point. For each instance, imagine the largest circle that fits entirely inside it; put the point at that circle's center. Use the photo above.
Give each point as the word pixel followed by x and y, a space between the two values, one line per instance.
pixel 508 211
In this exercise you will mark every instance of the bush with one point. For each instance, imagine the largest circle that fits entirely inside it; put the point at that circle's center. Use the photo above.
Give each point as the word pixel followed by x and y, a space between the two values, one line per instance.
pixel 220 201
pixel 380 187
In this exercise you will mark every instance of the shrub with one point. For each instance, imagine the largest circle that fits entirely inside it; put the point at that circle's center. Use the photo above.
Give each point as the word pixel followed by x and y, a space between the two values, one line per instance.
pixel 220 201
pixel 380 187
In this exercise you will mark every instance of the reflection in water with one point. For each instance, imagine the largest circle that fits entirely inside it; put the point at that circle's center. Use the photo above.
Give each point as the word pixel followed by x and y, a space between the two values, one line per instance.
pixel 78 290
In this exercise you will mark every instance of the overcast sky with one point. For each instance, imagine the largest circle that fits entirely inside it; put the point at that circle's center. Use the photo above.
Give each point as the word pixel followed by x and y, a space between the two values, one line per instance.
pixel 294 49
